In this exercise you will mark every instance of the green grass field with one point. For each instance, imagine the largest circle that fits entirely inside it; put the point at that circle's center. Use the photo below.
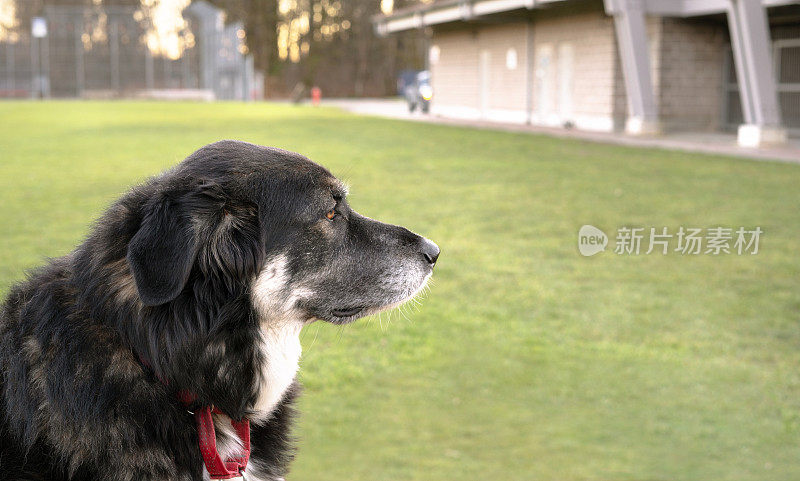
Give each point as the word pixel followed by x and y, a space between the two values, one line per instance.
pixel 526 361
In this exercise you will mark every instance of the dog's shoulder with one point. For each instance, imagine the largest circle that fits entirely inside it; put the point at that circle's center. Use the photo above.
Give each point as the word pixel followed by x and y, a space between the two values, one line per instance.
pixel 74 392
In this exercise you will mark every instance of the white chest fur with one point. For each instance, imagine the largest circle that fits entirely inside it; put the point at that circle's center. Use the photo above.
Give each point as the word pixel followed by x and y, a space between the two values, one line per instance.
pixel 280 350
pixel 275 301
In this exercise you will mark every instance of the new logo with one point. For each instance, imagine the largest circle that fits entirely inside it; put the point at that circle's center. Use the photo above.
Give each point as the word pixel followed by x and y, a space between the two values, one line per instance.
pixel 591 240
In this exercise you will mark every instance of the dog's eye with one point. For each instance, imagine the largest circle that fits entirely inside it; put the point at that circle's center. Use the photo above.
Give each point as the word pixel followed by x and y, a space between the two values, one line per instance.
pixel 331 214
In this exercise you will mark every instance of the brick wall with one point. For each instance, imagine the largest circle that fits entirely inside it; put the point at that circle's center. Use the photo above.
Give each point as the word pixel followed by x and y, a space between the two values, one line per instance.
pixel 591 34
pixel 507 85
pixel 454 75
pixel 690 75
pixel 686 66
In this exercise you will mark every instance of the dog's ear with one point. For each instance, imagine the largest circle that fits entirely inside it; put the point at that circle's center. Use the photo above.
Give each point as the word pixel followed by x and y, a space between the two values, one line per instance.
pixel 162 252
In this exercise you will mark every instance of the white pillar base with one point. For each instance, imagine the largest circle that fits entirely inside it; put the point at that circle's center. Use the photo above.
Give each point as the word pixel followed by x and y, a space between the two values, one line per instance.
pixel 751 135
pixel 639 126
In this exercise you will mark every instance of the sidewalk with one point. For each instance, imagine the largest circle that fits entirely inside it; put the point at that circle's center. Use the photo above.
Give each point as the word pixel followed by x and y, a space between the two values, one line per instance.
pixel 706 142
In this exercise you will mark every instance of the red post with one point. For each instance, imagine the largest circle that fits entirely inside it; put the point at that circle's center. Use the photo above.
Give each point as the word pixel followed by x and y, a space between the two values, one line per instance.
pixel 316 96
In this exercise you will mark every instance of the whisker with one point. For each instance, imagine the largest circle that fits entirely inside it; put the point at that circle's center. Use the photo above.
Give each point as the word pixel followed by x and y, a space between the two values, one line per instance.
pixel 340 334
pixel 314 341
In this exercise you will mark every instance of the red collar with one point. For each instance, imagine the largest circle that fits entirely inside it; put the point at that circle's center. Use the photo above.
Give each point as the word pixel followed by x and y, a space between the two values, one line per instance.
pixel 217 467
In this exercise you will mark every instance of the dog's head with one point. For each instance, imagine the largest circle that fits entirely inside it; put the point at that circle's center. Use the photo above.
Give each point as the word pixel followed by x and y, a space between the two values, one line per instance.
pixel 236 218
pixel 209 270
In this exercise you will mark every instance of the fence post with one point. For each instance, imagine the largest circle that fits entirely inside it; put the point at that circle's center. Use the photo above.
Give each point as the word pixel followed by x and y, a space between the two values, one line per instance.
pixel 79 68
pixel 166 68
pixel 45 78
pixel 248 75
pixel 35 90
pixel 10 67
pixel 114 47
pixel 185 69
pixel 148 67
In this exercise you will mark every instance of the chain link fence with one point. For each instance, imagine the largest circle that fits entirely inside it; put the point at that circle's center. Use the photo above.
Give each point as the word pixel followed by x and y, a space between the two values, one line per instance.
pixel 108 52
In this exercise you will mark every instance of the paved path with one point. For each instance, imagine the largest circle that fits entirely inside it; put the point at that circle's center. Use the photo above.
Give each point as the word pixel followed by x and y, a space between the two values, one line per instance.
pixel 711 143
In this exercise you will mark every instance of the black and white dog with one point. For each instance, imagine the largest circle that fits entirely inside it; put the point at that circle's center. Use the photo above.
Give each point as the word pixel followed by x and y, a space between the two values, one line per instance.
pixel 198 282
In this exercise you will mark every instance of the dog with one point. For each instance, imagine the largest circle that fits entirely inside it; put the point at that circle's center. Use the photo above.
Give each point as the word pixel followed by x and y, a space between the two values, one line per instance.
pixel 168 341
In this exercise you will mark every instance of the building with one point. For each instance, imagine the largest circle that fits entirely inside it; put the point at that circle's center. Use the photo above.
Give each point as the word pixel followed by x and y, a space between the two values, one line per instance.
pixel 639 66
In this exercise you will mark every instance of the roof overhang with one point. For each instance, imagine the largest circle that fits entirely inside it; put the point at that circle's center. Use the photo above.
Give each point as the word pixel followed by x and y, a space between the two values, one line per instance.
pixel 446 11
pixel 694 8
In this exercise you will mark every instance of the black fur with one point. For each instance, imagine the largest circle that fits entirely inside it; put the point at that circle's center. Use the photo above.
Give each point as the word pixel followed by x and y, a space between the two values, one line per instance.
pixel 95 345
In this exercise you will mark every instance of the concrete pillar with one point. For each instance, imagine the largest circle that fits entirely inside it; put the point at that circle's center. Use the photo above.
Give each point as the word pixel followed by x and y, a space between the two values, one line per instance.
pixel 752 53
pixel 629 24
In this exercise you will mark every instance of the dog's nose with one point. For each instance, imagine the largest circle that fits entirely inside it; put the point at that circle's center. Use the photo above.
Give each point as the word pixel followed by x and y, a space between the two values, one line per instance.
pixel 430 251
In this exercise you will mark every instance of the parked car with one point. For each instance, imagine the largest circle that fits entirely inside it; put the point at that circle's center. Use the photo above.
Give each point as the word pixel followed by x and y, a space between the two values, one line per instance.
pixel 419 93
pixel 404 79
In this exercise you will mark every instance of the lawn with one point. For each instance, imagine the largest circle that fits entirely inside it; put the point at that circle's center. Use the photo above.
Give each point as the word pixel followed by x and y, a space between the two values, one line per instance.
pixel 526 361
